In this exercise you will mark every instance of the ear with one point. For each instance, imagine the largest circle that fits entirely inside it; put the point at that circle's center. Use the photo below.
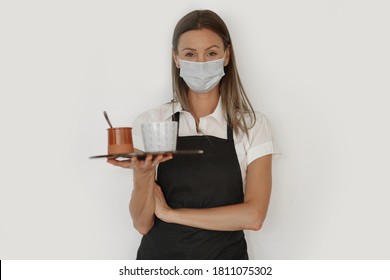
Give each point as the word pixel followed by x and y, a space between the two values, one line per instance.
pixel 176 59
pixel 227 56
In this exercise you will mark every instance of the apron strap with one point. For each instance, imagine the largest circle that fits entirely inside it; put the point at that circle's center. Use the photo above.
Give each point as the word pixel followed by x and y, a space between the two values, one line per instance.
pixel 229 131
pixel 176 117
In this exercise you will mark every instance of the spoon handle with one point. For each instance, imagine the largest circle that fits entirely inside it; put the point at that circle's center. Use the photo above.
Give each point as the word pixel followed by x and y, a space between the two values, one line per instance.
pixel 107 119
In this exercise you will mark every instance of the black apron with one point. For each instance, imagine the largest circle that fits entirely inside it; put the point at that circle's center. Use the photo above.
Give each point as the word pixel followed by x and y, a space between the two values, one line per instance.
pixel 208 180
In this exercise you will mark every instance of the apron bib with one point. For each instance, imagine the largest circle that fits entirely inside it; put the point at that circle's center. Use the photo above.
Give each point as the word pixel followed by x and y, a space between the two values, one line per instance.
pixel 208 180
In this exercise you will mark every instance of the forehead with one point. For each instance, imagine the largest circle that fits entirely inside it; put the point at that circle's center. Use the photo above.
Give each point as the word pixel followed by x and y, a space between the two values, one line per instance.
pixel 199 39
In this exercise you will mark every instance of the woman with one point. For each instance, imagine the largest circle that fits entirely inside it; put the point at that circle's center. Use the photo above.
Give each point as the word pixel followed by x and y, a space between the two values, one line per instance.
pixel 196 207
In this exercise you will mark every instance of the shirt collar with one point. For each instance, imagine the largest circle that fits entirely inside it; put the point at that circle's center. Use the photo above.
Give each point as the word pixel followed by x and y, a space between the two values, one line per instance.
pixel 172 108
pixel 218 113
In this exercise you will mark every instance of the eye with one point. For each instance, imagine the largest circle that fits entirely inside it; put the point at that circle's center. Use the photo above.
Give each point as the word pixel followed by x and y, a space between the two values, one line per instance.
pixel 212 54
pixel 189 54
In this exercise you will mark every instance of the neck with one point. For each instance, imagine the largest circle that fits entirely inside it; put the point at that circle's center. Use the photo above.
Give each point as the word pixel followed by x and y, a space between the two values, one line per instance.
pixel 203 104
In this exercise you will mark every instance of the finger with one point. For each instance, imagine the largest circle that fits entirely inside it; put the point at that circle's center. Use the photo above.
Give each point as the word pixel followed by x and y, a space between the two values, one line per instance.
pixel 157 160
pixel 113 162
pixel 135 160
pixel 166 157
pixel 163 158
pixel 148 161
pixel 123 163
pixel 137 163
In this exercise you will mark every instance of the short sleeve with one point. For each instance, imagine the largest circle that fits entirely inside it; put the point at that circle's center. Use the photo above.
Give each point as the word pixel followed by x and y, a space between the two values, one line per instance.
pixel 260 142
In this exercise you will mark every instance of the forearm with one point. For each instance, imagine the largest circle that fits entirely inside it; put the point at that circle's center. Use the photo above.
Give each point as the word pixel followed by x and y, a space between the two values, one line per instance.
pixel 226 218
pixel 142 202
pixel 247 215
pixel 142 206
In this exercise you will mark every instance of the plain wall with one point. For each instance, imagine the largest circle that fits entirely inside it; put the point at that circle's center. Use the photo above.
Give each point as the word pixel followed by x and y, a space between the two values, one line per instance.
pixel 318 69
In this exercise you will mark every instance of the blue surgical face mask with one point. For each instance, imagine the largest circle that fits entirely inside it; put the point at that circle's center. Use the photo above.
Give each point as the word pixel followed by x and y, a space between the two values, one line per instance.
pixel 202 77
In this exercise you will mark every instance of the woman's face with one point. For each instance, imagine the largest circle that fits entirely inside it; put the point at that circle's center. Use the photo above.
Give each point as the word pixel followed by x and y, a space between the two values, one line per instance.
pixel 200 46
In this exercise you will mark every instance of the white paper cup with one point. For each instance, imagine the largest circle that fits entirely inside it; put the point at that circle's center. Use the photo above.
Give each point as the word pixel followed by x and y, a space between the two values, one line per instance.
pixel 159 136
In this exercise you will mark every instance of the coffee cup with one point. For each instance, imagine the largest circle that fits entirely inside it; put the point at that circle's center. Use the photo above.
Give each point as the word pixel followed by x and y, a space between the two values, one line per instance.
pixel 160 136
pixel 120 140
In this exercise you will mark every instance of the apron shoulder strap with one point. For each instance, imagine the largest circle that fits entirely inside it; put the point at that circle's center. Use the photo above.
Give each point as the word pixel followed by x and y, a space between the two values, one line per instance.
pixel 176 117
pixel 229 130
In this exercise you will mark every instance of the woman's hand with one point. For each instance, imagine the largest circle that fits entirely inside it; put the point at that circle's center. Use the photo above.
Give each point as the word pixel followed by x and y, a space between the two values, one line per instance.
pixel 161 208
pixel 141 166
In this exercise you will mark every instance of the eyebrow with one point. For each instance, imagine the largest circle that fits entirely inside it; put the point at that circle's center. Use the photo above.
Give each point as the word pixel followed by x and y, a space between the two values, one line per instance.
pixel 191 49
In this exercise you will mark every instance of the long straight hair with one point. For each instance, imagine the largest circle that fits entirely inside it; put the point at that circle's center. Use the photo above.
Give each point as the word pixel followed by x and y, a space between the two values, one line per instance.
pixel 235 102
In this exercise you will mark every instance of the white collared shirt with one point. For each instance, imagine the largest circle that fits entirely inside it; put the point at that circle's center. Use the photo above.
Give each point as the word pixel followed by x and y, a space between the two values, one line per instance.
pixel 249 147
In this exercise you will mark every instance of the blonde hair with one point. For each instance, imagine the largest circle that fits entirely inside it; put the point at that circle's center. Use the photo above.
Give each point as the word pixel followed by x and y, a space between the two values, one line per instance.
pixel 234 100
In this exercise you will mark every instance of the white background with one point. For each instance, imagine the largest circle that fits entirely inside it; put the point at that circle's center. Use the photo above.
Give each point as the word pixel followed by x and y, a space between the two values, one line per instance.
pixel 318 69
